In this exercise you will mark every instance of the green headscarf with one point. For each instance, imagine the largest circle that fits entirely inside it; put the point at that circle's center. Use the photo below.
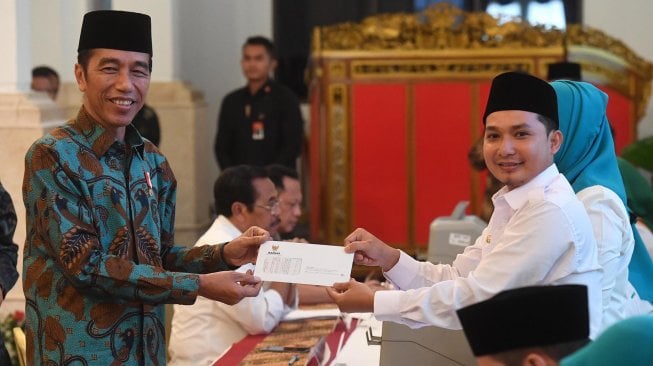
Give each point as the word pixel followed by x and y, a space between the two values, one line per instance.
pixel 587 158
pixel 628 342
pixel 638 191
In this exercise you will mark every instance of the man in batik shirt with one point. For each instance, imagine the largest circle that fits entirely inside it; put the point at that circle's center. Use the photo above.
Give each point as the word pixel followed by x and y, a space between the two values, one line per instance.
pixel 100 259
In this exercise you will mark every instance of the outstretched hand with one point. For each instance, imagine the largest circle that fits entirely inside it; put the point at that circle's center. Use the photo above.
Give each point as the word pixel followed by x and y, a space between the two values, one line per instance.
pixel 229 287
pixel 352 296
pixel 244 248
pixel 370 251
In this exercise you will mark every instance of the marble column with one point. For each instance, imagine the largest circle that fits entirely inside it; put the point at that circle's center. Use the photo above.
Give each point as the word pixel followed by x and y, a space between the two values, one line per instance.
pixel 182 118
pixel 24 117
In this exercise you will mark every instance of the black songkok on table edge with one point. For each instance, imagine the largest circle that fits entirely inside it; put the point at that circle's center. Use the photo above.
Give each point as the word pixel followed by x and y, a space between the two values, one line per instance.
pixel 522 92
pixel 118 30
pixel 526 317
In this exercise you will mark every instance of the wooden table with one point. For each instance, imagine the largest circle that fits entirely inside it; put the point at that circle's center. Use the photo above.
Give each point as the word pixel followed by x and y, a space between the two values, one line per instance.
pixel 323 337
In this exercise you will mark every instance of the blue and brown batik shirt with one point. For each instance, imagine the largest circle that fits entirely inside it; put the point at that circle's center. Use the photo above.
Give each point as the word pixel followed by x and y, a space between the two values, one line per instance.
pixel 100 259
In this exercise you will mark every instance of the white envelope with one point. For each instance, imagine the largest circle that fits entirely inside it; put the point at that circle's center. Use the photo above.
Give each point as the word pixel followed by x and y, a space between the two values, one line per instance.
pixel 311 264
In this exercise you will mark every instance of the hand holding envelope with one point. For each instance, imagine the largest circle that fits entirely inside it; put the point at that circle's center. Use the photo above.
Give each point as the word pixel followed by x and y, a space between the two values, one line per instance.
pixel 370 251
pixel 311 264
pixel 228 287
pixel 352 296
pixel 244 248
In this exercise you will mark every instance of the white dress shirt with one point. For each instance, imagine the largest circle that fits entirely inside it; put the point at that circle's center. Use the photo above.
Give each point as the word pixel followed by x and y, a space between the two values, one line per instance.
pixel 203 331
pixel 539 234
pixel 614 238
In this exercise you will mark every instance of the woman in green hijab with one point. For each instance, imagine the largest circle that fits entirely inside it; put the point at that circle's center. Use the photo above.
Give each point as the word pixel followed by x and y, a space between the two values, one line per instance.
pixel 587 158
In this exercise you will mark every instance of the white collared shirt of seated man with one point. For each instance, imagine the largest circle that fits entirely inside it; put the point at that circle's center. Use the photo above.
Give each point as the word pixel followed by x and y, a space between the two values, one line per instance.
pixel 202 332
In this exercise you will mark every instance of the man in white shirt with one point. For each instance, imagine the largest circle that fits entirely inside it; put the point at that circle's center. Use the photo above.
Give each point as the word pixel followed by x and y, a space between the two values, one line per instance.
pixel 244 196
pixel 539 232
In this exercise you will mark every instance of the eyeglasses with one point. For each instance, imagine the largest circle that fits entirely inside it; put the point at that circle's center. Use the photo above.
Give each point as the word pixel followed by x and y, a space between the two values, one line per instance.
pixel 274 206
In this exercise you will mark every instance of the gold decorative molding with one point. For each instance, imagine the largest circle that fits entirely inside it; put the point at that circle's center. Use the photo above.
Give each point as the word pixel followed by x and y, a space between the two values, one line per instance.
pixel 578 35
pixel 440 27
pixel 611 62
pixel 338 164
pixel 445 41
pixel 643 96
pixel 614 78
pixel 464 68
pixel 337 69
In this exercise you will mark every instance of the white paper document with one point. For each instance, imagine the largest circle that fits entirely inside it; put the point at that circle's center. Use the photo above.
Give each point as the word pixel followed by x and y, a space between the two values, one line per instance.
pixel 311 264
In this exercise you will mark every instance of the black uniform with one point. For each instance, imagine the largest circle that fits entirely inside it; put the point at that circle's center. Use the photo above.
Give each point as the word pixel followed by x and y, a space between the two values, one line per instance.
pixel 259 129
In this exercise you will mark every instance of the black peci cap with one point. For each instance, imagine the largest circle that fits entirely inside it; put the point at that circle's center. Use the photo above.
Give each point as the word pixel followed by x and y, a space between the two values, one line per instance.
pixel 118 30
pixel 526 317
pixel 522 92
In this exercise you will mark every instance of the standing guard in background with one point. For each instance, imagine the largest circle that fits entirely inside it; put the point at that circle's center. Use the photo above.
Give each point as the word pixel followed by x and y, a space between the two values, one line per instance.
pixel 259 124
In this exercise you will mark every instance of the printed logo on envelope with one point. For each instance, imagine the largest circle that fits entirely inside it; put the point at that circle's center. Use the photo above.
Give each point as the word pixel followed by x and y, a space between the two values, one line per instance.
pixel 275 250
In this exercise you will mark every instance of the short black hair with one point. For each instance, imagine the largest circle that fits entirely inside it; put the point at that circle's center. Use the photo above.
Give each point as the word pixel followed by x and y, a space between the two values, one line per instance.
pixel 549 124
pixel 83 57
pixel 276 173
pixel 262 41
pixel 44 71
pixel 235 185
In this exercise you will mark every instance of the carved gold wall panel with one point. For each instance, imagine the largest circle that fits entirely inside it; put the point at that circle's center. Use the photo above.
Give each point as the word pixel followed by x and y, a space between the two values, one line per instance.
pixel 415 68
pixel 338 187
pixel 442 44
pixel 443 30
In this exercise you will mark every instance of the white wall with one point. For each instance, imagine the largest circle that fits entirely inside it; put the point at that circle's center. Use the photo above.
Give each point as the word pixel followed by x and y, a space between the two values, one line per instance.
pixel 629 21
pixel 14 31
pixel 55 34
pixel 210 40
pixel 164 34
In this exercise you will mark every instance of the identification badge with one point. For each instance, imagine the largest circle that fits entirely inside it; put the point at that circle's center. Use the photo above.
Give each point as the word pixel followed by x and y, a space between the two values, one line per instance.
pixel 258 130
